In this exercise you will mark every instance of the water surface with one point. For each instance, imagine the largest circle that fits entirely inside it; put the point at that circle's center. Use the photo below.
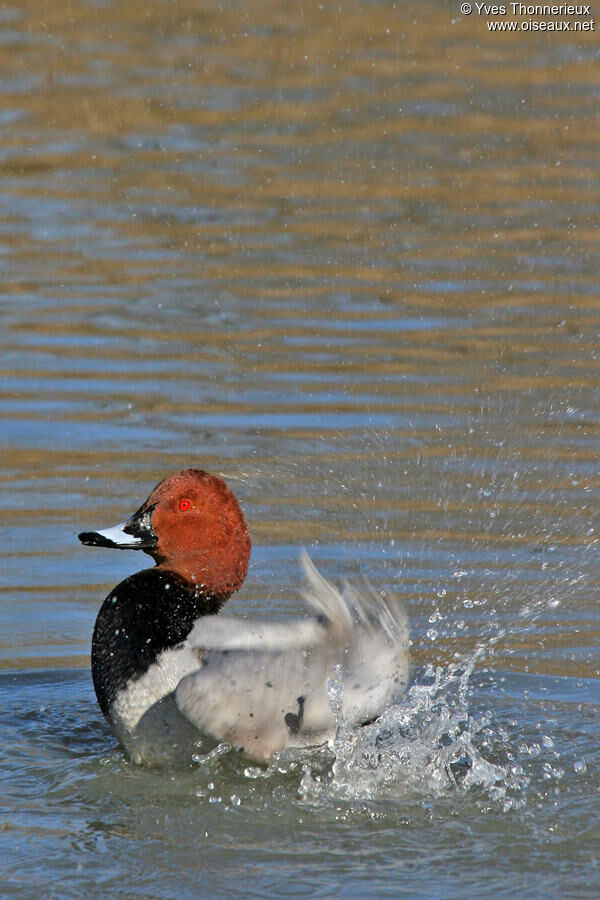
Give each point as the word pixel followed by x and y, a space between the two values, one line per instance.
pixel 346 257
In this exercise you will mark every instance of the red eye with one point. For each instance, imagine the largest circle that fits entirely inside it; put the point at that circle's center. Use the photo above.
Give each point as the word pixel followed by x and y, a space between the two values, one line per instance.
pixel 184 505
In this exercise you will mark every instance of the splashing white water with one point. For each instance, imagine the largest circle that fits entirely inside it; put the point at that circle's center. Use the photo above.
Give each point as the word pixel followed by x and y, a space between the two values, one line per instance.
pixel 429 743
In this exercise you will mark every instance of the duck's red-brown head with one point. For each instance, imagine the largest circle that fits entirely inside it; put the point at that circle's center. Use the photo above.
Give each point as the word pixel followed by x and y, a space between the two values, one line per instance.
pixel 191 524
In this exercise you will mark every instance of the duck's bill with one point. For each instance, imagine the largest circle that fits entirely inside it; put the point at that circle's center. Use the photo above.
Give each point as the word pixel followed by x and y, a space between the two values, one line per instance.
pixel 135 534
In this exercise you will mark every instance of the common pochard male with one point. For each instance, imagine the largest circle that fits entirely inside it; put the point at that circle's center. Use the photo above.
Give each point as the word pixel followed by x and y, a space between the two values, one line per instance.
pixel 174 679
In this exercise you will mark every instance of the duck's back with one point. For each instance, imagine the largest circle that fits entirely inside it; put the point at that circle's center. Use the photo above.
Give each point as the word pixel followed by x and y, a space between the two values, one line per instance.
pixel 266 687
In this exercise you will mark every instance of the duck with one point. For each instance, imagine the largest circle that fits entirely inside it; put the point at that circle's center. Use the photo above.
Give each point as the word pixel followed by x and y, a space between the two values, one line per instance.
pixel 175 679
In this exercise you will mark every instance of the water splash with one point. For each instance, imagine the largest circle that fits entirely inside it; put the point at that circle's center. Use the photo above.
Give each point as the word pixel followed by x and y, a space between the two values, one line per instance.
pixel 430 743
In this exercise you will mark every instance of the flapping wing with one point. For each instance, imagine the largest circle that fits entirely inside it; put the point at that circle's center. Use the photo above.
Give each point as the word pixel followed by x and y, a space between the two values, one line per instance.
pixel 330 622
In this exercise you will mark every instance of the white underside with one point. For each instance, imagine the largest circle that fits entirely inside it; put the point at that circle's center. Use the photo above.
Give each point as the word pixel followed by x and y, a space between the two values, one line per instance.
pixel 145 717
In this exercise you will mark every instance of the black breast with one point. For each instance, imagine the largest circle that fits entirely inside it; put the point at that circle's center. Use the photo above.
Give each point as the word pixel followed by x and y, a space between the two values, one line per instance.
pixel 147 613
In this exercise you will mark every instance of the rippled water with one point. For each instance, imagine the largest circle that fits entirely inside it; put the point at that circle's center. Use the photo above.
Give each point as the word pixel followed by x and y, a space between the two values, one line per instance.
pixel 347 257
